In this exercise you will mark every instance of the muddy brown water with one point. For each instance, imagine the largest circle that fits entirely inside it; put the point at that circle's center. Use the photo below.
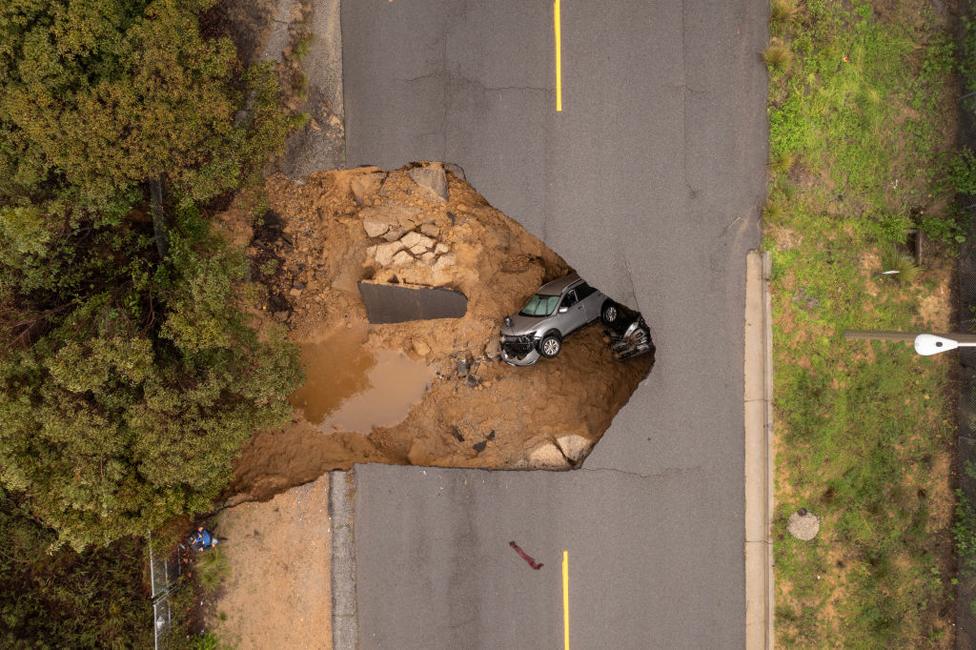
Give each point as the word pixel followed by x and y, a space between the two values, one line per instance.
pixel 353 389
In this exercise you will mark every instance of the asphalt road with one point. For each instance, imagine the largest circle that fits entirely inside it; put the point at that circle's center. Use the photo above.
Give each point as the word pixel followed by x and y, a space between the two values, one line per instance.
pixel 649 183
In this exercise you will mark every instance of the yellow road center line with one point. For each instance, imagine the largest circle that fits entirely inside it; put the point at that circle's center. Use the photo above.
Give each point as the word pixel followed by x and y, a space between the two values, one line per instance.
pixel 565 576
pixel 559 60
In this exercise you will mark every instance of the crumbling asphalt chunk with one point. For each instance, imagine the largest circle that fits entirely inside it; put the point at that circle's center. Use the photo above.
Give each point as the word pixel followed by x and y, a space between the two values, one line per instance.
pixel 431 178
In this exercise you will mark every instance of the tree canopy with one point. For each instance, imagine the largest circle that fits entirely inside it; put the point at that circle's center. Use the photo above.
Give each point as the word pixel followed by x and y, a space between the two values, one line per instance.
pixel 129 375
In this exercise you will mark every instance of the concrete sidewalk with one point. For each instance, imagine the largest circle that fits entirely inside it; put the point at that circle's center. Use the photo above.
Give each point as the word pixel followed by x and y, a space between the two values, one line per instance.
pixel 758 369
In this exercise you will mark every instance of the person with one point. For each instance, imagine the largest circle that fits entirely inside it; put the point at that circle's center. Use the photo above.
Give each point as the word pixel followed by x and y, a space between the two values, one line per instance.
pixel 202 539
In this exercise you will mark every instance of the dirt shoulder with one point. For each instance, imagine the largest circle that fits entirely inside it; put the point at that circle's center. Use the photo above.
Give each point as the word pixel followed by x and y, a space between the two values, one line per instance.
pixel 278 593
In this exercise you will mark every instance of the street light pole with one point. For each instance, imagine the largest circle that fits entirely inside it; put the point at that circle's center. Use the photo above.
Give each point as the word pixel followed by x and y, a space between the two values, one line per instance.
pixel 925 344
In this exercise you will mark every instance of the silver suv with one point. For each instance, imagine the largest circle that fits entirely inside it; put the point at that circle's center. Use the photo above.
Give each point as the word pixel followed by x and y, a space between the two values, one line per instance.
pixel 556 310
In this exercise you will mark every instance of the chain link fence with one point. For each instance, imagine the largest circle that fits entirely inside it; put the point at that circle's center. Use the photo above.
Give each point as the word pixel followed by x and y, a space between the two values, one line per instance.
pixel 164 573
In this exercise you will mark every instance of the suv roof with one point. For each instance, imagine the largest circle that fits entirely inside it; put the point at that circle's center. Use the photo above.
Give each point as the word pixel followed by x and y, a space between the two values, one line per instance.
pixel 557 287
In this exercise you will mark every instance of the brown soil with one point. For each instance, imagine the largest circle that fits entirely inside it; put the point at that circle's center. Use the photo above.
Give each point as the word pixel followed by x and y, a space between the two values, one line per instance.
pixel 278 592
pixel 393 393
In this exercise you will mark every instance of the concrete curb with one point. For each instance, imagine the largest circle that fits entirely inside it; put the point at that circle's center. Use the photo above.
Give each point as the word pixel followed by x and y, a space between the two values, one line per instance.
pixel 758 374
pixel 345 624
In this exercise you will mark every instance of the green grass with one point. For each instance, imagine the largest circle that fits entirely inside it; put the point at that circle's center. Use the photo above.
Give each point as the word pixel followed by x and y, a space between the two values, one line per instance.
pixel 211 569
pixel 857 143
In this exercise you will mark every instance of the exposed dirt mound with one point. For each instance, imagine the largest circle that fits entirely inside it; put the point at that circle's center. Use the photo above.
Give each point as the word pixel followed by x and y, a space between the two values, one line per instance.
pixel 427 392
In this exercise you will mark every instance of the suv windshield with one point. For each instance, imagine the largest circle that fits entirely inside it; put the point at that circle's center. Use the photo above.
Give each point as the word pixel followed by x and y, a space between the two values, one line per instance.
pixel 540 305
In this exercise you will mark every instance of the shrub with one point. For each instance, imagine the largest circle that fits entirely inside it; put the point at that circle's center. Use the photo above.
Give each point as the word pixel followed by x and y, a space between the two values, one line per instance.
pixel 964 534
pixel 781 11
pixel 961 173
pixel 777 55
pixel 904 267
pixel 947 229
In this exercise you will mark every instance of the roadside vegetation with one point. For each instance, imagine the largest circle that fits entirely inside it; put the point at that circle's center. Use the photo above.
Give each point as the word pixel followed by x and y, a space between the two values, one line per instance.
pixel 130 374
pixel 861 106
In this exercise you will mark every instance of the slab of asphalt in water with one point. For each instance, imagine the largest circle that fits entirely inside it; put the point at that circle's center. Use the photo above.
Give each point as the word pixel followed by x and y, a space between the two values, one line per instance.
pixel 350 388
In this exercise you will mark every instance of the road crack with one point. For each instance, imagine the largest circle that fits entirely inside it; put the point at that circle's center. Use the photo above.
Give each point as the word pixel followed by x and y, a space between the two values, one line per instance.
pixel 667 473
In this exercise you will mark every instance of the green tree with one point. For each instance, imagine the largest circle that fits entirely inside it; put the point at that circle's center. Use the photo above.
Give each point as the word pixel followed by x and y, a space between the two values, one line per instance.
pixel 129 408
pixel 65 599
pixel 129 376
pixel 99 96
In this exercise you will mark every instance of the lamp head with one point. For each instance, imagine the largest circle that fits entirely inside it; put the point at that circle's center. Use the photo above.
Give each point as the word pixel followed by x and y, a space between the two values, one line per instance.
pixel 929 344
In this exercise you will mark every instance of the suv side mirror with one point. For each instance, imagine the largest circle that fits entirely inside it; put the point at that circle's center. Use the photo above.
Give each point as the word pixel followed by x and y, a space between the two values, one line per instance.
pixel 563 310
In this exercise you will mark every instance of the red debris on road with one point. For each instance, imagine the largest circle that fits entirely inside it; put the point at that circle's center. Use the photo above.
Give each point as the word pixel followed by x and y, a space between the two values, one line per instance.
pixel 525 556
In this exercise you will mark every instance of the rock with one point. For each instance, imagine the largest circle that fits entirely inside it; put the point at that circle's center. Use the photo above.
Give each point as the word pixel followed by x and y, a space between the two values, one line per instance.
pixel 455 169
pixel 418 250
pixel 384 252
pixel 421 348
pixel 574 447
pixel 441 248
pixel 408 220
pixel 402 259
pixel 428 257
pixel 394 233
pixel 445 262
pixel 547 456
pixel 281 316
pixel 431 178
pixel 394 215
pixel 295 292
pixel 803 525
pixel 479 446
pixel 374 227
pixel 430 229
pixel 364 185
pixel 414 239
pixel 473 381
pixel 493 350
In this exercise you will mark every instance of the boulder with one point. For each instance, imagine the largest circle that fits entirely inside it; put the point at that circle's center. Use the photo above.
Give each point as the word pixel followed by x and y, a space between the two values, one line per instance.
pixel 547 456
pixel 421 347
pixel 364 185
pixel 441 248
pixel 402 259
pixel 432 178
pixel 574 447
pixel 384 252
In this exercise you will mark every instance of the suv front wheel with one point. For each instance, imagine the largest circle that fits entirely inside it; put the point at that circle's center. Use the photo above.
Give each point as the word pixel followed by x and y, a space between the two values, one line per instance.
pixel 551 344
